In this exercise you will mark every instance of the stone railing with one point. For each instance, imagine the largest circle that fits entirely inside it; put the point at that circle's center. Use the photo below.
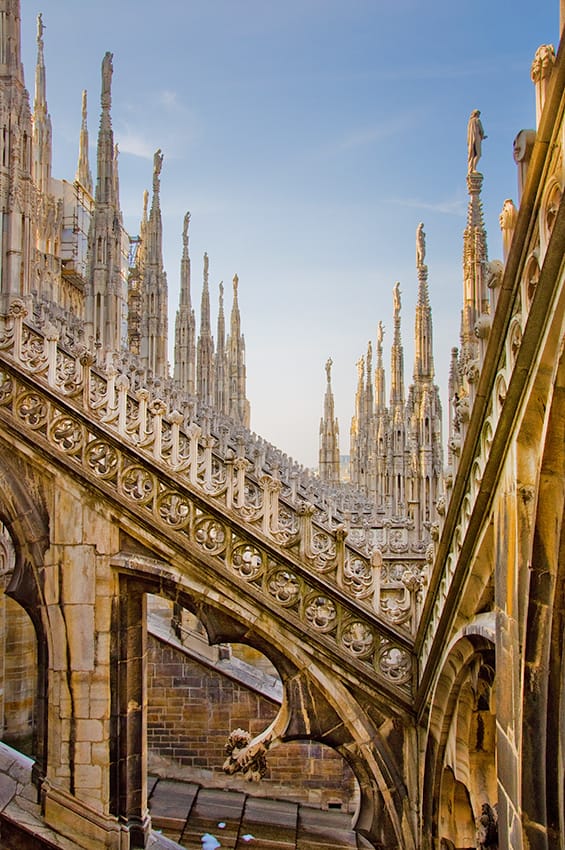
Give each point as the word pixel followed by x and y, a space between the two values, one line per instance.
pixel 168 472
pixel 335 505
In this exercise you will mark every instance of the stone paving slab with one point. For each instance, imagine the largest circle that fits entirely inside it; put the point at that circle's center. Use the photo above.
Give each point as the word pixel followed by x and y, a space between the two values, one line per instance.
pixel 172 799
pixel 213 807
pixel 272 823
pixel 321 830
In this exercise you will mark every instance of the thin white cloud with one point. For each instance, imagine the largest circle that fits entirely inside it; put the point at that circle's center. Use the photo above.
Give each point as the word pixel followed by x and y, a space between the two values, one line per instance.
pixel 169 98
pixel 457 206
pixel 135 144
pixel 366 136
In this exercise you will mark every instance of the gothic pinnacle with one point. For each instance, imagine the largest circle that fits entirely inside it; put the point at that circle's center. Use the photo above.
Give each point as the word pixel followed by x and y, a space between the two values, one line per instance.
pixel 40 95
pixel 83 174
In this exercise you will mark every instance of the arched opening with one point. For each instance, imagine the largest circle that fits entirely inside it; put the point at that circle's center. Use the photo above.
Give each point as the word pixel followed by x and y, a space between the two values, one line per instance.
pixel 460 782
pixel 18 661
pixel 198 695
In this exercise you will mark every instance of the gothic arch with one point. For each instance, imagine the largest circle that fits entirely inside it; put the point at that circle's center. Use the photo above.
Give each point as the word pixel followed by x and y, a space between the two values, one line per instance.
pixel 25 519
pixel 459 766
pixel 317 706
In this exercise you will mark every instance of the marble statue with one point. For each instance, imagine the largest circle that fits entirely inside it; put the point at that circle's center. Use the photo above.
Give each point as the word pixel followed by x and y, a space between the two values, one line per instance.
pixel 475 136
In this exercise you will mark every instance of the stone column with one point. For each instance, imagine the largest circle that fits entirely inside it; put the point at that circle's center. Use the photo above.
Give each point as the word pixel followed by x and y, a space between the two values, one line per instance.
pixel 131 707
pixel 79 587
pixel 510 522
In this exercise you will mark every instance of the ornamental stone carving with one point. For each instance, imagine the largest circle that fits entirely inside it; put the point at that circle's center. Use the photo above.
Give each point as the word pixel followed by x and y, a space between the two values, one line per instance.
pixel 543 63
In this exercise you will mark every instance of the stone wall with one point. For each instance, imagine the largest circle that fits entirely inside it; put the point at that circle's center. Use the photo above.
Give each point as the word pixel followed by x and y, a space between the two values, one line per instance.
pixel 191 711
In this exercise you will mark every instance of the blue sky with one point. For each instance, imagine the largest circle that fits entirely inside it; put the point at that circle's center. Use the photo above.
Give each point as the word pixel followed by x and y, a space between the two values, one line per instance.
pixel 307 138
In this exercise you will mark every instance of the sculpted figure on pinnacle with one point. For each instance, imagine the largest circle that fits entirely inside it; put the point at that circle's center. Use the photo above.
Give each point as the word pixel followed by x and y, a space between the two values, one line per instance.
pixel 475 136
pixel 420 245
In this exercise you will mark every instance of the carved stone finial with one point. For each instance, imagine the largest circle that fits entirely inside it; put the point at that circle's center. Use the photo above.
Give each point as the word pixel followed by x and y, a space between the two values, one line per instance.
pixel 475 136
pixel 235 284
pixel 508 214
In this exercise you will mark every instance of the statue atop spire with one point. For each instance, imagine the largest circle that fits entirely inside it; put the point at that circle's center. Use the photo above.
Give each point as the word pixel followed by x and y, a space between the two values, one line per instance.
pixel 329 364
pixel 107 69
pixel 396 301
pixel 420 245
pixel 157 166
pixel 40 31
pixel 185 225
pixel 475 136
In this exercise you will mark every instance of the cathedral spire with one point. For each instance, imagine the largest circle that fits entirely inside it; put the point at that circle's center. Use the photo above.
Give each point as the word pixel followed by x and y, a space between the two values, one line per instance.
pixel 380 389
pixel 237 374
pixel 10 42
pixel 185 325
pixel 328 465
pixel 205 347
pixel 475 291
pixel 220 365
pixel 18 208
pixel 154 285
pixel 83 174
pixel 423 360
pixel 397 354
pixel 356 433
pixel 41 120
pixel 105 181
pixel 106 288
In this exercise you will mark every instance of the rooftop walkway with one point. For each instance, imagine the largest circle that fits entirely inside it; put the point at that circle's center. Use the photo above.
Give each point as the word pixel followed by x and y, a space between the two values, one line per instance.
pixel 204 819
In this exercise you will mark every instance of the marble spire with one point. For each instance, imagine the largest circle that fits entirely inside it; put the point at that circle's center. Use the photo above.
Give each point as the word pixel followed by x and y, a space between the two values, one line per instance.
pixel 185 324
pixel 328 462
pixel 83 174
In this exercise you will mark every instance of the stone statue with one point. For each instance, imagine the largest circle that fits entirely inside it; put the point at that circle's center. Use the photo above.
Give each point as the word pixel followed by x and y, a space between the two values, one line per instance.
pixel 246 755
pixel 380 333
pixel 487 828
pixel 157 165
pixel 360 369
pixel 40 30
pixel 396 297
pixel 329 364
pixel 475 136
pixel 420 245
pixel 107 70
